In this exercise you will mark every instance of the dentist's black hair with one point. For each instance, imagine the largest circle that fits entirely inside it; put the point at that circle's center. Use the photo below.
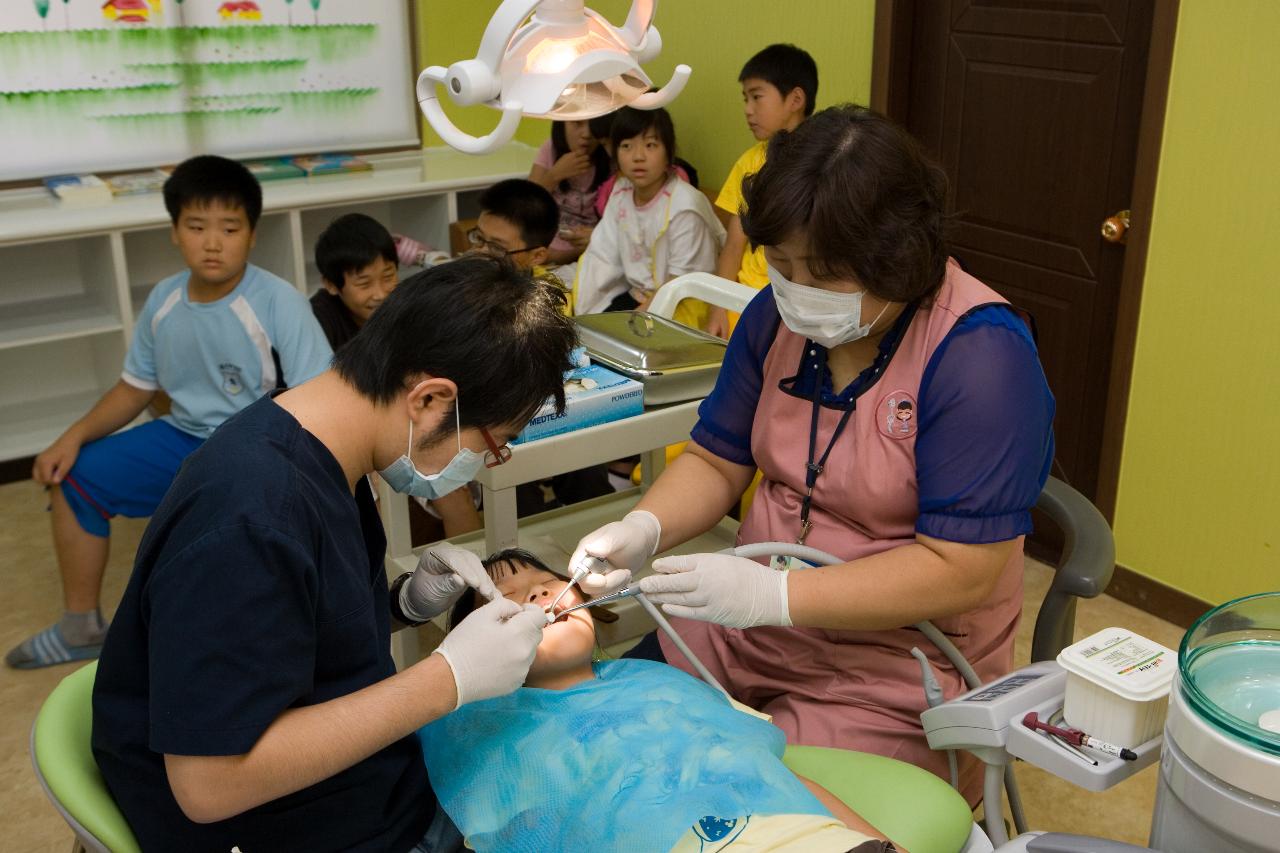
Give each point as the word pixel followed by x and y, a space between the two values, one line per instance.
pixel 498 333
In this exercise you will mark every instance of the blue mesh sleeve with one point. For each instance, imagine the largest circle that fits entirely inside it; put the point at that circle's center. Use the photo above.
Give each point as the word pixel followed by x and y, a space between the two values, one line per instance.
pixel 725 417
pixel 985 440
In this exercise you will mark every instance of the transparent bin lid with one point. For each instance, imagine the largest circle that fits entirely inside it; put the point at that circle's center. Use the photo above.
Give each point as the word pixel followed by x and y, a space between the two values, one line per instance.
pixel 1230 666
pixel 647 342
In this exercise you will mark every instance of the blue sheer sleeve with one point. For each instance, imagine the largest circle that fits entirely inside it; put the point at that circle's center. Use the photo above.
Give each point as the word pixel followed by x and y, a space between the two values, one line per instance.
pixel 725 417
pixel 985 440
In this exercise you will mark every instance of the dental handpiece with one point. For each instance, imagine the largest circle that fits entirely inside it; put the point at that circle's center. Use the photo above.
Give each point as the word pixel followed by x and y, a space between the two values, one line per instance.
pixel 604 599
pixel 585 566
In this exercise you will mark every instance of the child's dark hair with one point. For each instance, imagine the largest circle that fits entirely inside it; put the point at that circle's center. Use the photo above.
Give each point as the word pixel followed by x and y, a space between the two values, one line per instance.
pixel 526 205
pixel 499 334
pixel 208 178
pixel 785 67
pixel 599 157
pixel 498 566
pixel 349 244
pixel 870 201
pixel 629 122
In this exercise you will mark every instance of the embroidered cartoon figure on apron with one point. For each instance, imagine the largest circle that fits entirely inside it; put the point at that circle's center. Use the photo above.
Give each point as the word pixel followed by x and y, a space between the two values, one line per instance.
pixel 898 415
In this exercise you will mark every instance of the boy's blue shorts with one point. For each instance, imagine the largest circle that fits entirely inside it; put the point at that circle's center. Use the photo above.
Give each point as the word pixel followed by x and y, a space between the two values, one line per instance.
pixel 126 473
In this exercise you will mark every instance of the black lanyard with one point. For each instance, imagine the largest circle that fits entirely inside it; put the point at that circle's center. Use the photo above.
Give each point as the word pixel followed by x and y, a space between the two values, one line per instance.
pixel 812 469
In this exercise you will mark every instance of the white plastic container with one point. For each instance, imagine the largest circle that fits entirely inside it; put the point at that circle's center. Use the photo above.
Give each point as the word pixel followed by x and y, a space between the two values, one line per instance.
pixel 1118 686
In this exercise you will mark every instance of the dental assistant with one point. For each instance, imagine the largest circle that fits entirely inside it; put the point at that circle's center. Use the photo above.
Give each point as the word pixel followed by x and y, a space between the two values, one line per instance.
pixel 898 413
pixel 246 697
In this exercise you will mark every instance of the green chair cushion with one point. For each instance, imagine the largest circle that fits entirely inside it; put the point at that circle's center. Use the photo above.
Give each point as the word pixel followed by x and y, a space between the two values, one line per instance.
pixel 912 806
pixel 61 746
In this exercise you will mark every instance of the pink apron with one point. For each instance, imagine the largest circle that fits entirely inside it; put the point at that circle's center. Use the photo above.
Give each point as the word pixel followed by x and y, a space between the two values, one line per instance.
pixel 857 690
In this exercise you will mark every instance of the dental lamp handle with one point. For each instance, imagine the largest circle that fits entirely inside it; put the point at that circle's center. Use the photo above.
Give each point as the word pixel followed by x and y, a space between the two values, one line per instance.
pixel 429 101
pixel 667 94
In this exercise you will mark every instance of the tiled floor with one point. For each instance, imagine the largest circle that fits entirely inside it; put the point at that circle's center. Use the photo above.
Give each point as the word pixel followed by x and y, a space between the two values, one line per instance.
pixel 28 575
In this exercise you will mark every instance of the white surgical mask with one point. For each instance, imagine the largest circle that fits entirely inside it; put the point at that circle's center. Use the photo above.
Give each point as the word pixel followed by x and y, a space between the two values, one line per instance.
pixel 823 316
pixel 403 476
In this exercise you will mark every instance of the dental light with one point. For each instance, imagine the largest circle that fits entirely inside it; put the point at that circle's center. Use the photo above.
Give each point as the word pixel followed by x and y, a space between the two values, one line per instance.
pixel 565 62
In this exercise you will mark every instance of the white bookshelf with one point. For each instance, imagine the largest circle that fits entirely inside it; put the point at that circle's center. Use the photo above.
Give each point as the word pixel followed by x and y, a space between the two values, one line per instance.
pixel 72 281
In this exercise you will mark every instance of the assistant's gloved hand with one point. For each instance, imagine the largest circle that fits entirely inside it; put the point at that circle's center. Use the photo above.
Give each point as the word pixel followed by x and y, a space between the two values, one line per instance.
pixel 443 572
pixel 732 591
pixel 626 544
pixel 490 651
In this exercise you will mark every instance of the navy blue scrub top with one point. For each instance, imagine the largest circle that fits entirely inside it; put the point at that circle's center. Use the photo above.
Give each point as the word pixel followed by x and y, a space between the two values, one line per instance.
pixel 258 587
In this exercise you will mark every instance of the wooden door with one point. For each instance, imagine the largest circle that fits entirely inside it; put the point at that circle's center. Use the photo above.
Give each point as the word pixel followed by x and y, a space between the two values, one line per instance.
pixel 1033 108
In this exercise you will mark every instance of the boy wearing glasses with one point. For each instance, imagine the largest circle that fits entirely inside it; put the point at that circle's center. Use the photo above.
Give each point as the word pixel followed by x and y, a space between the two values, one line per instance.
pixel 518 220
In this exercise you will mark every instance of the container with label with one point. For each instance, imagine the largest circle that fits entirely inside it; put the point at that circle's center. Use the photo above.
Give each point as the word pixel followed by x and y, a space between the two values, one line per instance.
pixel 1118 686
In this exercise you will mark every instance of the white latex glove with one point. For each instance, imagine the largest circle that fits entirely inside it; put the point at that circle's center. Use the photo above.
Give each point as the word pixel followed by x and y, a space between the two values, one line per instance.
pixel 731 591
pixel 626 544
pixel 490 651
pixel 443 572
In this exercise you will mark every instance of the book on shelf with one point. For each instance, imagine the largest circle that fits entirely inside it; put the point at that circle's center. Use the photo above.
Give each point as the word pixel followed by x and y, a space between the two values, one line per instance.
pixel 137 183
pixel 77 190
pixel 274 169
pixel 331 164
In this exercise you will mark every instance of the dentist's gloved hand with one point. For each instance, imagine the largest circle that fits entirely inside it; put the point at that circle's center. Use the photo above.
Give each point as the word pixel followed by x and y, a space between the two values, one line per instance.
pixel 443 572
pixel 490 651
pixel 627 544
pixel 731 591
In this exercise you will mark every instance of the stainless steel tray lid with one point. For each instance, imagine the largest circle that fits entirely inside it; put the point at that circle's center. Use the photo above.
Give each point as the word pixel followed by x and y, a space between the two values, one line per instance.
pixel 648 342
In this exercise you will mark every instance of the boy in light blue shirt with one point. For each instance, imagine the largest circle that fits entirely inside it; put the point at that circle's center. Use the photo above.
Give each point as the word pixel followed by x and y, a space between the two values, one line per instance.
pixel 214 337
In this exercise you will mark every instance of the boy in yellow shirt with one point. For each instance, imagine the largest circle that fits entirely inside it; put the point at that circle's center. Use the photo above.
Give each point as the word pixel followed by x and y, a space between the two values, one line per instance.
pixel 779 85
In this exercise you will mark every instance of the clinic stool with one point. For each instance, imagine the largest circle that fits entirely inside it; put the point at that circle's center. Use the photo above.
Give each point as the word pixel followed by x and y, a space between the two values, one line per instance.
pixel 64 765
pixel 910 805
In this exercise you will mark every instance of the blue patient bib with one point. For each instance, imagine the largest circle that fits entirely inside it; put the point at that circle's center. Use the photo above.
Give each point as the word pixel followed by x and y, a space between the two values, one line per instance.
pixel 628 761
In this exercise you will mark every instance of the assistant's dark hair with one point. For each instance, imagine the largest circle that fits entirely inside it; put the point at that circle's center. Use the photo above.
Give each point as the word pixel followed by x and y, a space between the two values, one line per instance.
pixel 526 205
pixel 599 157
pixel 207 178
pixel 499 334
pixel 349 244
pixel 785 67
pixel 629 122
pixel 866 195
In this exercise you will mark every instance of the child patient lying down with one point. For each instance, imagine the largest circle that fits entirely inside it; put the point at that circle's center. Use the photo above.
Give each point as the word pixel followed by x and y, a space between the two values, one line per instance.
pixel 620 755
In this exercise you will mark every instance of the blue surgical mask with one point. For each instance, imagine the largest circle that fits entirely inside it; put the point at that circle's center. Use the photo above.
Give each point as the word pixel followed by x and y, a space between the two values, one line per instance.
pixel 403 476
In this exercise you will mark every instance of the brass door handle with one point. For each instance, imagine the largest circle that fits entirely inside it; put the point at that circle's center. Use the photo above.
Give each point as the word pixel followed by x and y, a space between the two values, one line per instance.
pixel 1115 228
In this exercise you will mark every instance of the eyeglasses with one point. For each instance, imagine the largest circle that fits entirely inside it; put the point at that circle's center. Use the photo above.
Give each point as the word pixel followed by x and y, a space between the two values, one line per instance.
pixel 496 454
pixel 478 241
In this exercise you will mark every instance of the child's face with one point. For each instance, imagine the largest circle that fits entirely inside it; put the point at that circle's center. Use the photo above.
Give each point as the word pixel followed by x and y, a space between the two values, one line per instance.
pixel 214 240
pixel 501 237
pixel 578 135
pixel 643 159
pixel 367 288
pixel 567 643
pixel 768 110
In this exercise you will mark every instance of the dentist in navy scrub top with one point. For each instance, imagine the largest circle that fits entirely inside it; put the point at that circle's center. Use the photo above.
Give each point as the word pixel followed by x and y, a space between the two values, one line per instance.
pixel 246 696
pixel 898 414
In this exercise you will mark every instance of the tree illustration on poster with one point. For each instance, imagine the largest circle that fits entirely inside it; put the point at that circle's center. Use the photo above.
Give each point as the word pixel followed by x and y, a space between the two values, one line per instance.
pixel 289 5
pixel 42 9
pixel 66 13
pixel 315 7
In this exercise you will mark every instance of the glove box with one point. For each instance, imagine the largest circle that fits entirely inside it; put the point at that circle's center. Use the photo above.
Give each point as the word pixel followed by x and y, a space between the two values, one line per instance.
pixel 672 361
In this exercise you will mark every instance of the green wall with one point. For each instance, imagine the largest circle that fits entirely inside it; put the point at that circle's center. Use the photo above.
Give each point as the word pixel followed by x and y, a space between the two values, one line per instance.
pixel 1199 500
pixel 714 37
